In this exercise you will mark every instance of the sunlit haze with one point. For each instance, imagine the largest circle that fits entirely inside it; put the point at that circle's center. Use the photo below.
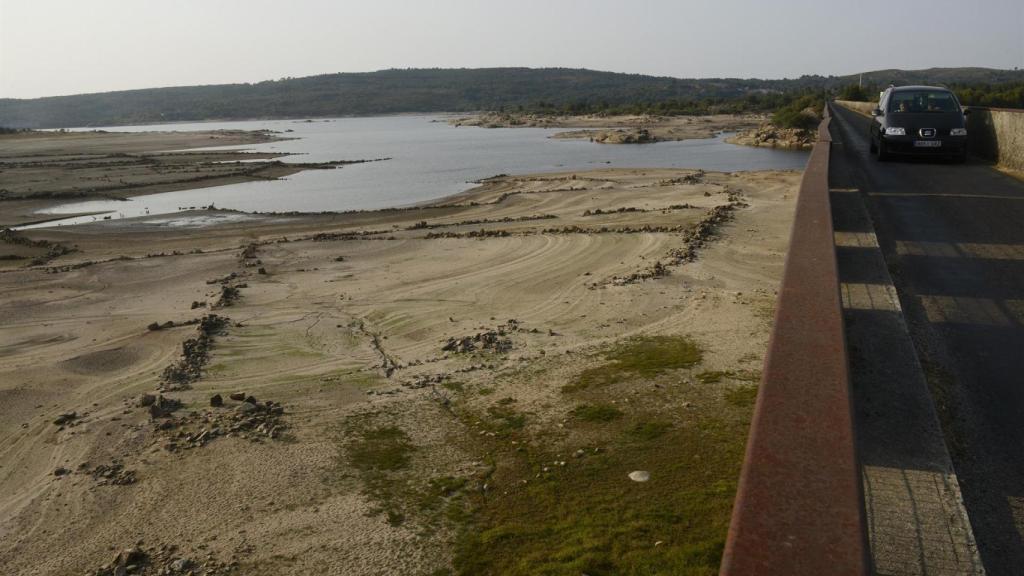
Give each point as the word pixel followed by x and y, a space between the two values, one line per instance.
pixel 53 47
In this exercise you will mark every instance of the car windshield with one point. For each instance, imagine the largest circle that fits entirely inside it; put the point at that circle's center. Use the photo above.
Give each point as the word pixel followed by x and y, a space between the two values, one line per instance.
pixel 917 101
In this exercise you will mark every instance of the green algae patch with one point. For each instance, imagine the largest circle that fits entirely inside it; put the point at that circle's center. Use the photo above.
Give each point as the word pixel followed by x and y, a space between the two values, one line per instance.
pixel 381 449
pixel 648 430
pixel 640 357
pixel 588 517
pixel 596 412
pixel 744 396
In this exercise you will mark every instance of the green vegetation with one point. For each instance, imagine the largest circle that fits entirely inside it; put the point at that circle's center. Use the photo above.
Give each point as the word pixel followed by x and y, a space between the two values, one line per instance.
pixel 646 431
pixel 381 456
pixel 743 397
pixel 589 518
pixel 803 113
pixel 716 376
pixel 855 93
pixel 378 454
pixel 596 412
pixel 543 90
pixel 453 385
pixel 1009 95
pixel 641 357
pixel 503 419
pixel 381 449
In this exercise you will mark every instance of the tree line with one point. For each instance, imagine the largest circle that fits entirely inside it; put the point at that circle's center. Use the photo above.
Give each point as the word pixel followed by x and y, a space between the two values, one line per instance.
pixel 543 90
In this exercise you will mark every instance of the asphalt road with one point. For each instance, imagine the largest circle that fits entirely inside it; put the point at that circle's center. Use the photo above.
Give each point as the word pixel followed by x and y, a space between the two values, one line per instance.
pixel 953 239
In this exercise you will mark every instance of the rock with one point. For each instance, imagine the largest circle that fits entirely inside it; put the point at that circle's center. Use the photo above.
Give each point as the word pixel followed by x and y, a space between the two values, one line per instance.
pixel 247 407
pixel 639 476
pixel 61 471
pixel 237 396
pixel 112 474
pixel 251 400
pixel 180 565
pixel 261 270
pixel 146 400
pixel 163 406
pixel 65 418
pixel 216 401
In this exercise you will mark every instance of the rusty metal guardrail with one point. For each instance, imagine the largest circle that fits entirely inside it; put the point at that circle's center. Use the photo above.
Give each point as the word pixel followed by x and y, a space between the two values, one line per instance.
pixel 799 509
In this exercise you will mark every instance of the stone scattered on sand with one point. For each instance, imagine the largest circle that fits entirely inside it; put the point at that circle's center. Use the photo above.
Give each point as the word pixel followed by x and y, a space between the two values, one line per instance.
pixel 113 474
pixel 237 396
pixel 65 418
pixel 495 340
pixel 252 420
pixel 639 476
pixel 163 406
pixel 61 471
pixel 165 560
pixel 216 401
pixel 194 354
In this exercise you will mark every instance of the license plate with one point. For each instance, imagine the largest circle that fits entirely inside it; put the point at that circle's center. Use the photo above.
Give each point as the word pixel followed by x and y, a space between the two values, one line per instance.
pixel 928 143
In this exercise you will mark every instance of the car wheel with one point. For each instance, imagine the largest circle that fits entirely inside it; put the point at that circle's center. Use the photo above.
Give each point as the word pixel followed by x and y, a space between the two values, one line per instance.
pixel 880 152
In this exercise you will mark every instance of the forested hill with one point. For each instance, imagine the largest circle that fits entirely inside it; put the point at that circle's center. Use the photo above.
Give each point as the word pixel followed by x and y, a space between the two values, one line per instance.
pixel 428 90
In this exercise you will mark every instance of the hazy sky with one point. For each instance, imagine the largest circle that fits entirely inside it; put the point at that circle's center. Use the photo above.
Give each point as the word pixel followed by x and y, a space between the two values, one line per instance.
pixel 51 47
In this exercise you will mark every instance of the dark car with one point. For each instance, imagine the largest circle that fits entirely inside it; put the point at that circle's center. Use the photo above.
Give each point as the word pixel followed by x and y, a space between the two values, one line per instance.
pixel 919 120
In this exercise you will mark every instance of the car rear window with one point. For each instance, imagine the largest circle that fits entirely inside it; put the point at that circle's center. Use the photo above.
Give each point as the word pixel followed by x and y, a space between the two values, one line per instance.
pixel 918 101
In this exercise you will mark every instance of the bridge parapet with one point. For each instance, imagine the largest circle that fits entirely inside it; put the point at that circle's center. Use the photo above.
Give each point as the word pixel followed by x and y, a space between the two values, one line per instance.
pixel 997 134
pixel 799 509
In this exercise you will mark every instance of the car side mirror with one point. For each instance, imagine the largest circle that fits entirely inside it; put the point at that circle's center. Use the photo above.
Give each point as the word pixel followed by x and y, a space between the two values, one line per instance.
pixel 967 111
pixel 877 112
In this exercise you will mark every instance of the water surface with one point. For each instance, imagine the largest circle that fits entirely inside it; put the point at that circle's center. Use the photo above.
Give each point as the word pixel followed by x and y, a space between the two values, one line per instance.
pixel 429 160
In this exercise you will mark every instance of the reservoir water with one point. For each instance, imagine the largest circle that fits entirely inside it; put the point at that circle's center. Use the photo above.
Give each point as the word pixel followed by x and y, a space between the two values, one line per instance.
pixel 429 159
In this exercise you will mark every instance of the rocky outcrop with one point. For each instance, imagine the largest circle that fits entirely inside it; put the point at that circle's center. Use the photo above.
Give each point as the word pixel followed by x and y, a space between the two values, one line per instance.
pixel 771 136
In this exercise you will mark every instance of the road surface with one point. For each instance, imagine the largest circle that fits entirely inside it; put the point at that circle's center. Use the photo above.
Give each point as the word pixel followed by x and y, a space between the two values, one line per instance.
pixel 953 239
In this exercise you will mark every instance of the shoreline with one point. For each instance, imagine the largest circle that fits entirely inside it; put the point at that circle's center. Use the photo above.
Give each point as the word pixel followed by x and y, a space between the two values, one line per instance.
pixel 617 129
pixel 85 166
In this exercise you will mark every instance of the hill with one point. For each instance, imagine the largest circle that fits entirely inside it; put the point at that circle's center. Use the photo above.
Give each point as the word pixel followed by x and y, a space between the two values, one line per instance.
pixel 430 90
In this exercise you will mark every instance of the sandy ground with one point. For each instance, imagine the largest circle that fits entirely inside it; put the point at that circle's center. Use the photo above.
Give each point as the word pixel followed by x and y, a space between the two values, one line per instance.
pixel 341 320
pixel 620 129
pixel 43 169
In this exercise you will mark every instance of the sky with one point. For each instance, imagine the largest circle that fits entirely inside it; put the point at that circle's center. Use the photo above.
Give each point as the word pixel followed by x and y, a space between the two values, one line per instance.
pixel 57 47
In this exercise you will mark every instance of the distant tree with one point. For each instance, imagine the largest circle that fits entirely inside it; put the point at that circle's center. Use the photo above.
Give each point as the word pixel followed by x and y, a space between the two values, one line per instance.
pixel 802 113
pixel 854 92
pixel 1010 95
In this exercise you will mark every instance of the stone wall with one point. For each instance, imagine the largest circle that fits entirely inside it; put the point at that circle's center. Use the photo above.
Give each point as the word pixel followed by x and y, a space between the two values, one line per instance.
pixel 997 134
